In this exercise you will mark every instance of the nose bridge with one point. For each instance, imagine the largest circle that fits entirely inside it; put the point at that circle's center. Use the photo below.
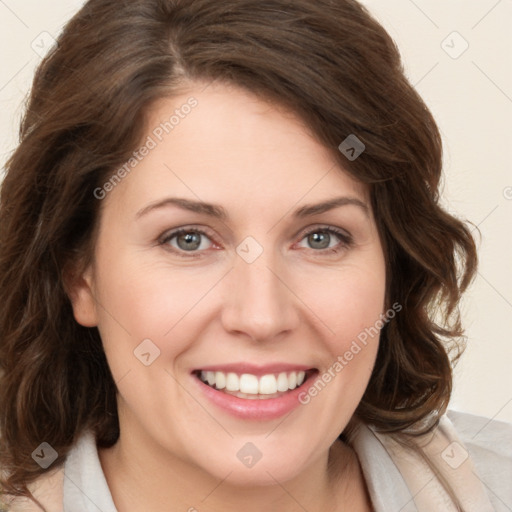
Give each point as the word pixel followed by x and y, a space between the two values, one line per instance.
pixel 258 303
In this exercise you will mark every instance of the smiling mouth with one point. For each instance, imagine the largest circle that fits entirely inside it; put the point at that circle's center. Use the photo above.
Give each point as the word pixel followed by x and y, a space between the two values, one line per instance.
pixel 249 386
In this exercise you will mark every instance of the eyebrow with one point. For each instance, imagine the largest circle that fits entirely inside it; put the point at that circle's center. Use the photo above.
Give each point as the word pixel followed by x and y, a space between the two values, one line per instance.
pixel 220 213
pixel 325 206
pixel 186 204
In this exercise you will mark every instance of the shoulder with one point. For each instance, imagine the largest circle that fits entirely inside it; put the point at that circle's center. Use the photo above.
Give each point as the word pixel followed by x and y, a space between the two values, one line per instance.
pixel 473 454
pixel 465 461
pixel 47 489
pixel 488 442
pixel 62 487
pixel 482 433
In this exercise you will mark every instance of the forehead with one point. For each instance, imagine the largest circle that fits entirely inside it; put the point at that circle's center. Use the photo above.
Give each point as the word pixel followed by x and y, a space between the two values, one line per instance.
pixel 220 142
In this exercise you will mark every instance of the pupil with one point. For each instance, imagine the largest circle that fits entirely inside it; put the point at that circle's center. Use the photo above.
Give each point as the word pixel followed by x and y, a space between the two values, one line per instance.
pixel 189 241
pixel 319 240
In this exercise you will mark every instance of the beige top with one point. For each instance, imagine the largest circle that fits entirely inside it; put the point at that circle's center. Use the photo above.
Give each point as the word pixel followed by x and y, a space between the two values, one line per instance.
pixel 471 453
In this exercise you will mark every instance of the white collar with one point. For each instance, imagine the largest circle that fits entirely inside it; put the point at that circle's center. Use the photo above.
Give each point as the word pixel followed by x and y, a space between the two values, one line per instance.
pixel 85 486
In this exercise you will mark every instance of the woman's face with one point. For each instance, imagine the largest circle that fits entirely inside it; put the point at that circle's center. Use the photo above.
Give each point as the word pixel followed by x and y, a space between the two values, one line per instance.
pixel 235 240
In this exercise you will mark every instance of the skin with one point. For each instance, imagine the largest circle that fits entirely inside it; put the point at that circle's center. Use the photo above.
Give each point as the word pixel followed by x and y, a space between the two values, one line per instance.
pixel 297 302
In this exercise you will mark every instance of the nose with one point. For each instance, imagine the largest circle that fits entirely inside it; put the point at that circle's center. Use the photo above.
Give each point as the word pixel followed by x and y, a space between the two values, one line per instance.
pixel 258 302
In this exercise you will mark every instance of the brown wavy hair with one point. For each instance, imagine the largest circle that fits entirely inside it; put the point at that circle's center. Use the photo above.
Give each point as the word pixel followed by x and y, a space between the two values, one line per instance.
pixel 329 62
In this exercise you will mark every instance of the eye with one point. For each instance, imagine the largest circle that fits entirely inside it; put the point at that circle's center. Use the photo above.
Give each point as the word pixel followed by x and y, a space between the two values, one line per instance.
pixel 327 239
pixel 187 240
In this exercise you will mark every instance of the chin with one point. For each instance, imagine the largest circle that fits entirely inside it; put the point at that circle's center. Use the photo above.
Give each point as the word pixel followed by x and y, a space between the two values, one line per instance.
pixel 263 472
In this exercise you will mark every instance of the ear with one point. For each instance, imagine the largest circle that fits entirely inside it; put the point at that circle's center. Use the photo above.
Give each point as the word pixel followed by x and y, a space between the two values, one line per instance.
pixel 80 290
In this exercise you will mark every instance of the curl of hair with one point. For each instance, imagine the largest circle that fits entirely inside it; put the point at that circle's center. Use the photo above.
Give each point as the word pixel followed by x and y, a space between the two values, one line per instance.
pixel 329 62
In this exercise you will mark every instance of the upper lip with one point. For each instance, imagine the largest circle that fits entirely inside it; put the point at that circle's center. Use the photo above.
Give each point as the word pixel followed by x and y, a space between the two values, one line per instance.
pixel 258 370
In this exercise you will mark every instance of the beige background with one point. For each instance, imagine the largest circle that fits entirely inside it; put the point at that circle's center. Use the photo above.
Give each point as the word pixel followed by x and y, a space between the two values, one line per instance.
pixel 469 93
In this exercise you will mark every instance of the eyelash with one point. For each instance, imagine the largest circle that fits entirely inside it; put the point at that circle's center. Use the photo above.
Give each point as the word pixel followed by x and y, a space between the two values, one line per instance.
pixel 346 240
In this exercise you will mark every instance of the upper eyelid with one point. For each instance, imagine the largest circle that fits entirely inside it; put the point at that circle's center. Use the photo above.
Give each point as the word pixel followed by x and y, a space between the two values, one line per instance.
pixel 166 235
pixel 323 227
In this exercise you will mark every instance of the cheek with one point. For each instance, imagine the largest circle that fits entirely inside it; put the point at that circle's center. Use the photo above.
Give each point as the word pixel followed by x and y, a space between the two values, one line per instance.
pixel 154 302
pixel 349 306
pixel 349 301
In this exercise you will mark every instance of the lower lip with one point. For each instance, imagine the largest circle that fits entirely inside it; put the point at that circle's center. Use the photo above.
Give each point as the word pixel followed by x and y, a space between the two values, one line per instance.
pixel 255 409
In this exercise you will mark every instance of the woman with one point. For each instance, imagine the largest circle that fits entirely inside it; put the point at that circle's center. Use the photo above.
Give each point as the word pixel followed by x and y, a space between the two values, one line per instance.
pixel 226 278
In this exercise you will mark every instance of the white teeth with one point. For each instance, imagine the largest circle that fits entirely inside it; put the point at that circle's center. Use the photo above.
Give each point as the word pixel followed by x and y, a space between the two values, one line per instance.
pixel 292 380
pixel 252 385
pixel 232 382
pixel 282 382
pixel 249 384
pixel 220 380
pixel 210 377
pixel 268 385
